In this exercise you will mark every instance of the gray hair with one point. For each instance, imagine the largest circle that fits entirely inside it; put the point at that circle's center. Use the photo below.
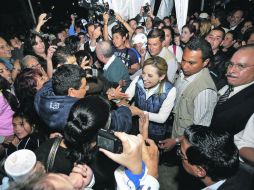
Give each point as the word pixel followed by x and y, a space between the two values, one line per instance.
pixel 105 48
pixel 25 60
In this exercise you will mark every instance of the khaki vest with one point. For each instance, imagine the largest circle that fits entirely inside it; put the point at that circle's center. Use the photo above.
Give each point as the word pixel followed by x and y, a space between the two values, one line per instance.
pixel 184 110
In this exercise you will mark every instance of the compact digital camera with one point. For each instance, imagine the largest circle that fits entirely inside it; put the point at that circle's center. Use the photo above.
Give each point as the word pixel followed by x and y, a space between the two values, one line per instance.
pixel 107 140
pixel 146 8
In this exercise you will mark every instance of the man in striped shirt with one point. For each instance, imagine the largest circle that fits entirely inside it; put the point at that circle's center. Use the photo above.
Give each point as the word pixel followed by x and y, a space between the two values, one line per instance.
pixel 196 91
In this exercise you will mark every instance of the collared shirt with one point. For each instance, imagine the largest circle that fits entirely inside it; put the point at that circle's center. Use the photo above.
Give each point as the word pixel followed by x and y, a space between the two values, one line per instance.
pixel 111 59
pixel 166 106
pixel 171 62
pixel 214 186
pixel 245 138
pixel 233 28
pixel 236 89
pixel 204 103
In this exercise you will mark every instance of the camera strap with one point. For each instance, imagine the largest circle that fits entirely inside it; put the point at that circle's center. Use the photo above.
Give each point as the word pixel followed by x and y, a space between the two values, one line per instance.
pixel 52 153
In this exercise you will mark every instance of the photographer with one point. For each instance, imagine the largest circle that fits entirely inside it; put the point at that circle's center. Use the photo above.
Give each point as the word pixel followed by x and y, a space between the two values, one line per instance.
pixel 138 163
pixel 146 17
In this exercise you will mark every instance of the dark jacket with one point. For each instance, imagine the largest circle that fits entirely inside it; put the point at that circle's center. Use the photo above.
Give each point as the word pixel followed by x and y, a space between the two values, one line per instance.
pixel 232 115
pixel 243 179
pixel 53 110
pixel 218 67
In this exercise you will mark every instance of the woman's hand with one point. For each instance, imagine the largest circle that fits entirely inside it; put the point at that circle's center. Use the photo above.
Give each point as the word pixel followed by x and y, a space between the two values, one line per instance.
pixel 115 93
pixel 136 111
pixel 50 52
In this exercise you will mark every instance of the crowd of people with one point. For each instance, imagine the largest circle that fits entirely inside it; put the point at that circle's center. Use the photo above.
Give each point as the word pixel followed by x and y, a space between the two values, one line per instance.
pixel 163 93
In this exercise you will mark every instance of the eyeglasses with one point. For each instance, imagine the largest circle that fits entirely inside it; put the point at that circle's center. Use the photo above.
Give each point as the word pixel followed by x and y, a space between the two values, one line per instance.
pixel 180 154
pixel 238 66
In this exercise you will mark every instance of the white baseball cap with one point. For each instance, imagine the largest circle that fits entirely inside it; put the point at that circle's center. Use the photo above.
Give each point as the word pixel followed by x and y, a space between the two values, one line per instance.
pixel 203 15
pixel 19 164
pixel 139 38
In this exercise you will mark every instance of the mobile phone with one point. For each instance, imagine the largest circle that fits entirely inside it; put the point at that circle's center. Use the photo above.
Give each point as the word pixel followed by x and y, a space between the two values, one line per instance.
pixel 107 140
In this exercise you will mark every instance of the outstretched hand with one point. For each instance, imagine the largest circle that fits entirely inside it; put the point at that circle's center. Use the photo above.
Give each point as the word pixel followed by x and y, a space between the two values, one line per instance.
pixel 116 93
pixel 131 157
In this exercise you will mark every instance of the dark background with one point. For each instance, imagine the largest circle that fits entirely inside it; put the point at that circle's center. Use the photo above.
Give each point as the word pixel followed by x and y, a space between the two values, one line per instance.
pixel 15 15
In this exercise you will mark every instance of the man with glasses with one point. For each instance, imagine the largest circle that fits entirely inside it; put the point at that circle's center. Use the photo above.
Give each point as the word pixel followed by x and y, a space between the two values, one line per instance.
pixel 236 102
pixel 213 159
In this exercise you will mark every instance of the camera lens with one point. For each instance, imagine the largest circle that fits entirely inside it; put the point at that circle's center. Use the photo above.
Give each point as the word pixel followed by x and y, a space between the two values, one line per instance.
pixel 111 12
pixel 146 9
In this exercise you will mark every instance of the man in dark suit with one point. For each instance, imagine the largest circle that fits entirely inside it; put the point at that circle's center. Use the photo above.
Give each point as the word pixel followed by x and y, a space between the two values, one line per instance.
pixel 213 158
pixel 236 102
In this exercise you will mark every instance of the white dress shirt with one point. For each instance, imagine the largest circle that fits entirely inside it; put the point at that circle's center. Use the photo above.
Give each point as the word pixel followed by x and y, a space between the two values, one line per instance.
pixel 111 59
pixel 214 186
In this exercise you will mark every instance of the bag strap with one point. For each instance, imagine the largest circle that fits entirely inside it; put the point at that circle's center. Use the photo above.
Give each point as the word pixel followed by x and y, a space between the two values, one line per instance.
pixel 52 154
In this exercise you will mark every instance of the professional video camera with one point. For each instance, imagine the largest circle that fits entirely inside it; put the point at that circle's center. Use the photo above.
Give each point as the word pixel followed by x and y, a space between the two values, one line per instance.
pixel 96 9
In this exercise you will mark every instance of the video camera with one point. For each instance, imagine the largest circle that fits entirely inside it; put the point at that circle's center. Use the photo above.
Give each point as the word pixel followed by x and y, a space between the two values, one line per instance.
pixel 96 8
pixel 146 8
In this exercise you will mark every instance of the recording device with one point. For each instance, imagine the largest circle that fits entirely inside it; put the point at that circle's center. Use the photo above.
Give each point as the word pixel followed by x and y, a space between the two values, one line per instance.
pixel 107 140
pixel 48 16
pixel 146 8
pixel 96 9
pixel 91 72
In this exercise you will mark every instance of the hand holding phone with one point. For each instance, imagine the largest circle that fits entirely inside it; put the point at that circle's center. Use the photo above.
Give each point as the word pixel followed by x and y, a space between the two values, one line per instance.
pixel 107 140
pixel 131 157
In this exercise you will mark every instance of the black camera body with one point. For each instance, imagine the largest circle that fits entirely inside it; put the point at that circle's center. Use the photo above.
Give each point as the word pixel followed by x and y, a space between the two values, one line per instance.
pixel 90 72
pixel 146 8
pixel 107 140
